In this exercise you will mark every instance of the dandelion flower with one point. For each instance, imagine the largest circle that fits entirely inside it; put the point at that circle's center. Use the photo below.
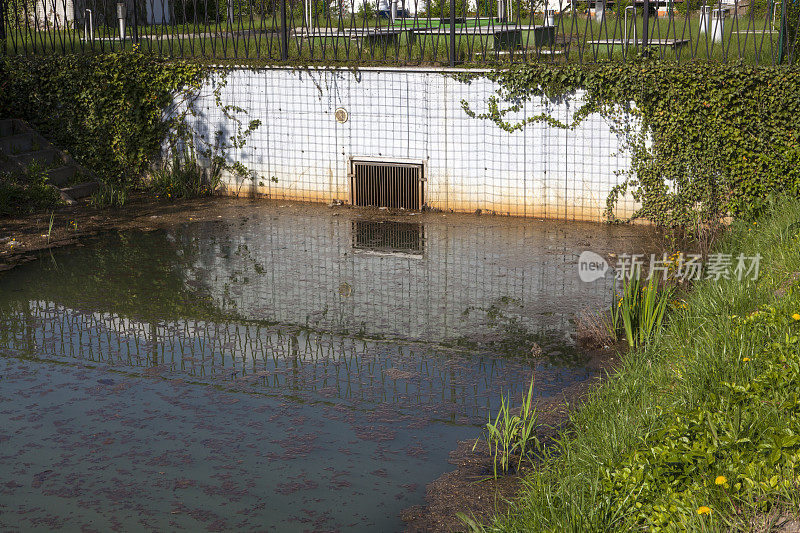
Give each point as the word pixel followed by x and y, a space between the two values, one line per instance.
pixel 703 510
pixel 745 359
pixel 796 316
pixel 721 480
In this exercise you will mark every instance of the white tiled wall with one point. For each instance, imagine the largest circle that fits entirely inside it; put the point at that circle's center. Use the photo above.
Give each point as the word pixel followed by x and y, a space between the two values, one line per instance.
pixel 540 171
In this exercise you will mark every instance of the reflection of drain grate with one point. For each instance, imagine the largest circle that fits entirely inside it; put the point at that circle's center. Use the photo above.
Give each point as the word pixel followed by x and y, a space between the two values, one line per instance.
pixel 392 185
pixel 388 236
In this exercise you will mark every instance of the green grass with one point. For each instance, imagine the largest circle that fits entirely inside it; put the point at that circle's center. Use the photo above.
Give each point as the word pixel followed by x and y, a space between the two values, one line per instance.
pixel 715 395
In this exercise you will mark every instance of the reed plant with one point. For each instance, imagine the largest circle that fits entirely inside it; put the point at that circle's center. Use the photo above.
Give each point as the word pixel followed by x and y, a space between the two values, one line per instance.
pixel 185 176
pixel 512 437
pixel 640 309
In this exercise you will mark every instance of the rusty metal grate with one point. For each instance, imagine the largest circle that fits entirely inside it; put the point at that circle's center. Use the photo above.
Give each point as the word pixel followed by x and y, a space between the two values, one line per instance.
pixel 387 184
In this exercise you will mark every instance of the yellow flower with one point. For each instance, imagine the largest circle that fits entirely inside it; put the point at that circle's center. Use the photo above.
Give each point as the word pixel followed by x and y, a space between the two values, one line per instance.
pixel 745 359
pixel 721 480
pixel 704 510
pixel 796 316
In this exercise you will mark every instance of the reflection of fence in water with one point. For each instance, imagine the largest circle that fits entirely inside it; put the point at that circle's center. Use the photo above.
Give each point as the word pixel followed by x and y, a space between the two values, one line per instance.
pixel 286 362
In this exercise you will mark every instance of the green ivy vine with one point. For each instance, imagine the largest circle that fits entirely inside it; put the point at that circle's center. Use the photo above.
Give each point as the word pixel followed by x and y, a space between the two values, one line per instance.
pixel 712 140
pixel 116 113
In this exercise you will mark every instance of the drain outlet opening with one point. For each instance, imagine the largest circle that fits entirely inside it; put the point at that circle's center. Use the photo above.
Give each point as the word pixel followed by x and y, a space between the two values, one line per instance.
pixel 387 184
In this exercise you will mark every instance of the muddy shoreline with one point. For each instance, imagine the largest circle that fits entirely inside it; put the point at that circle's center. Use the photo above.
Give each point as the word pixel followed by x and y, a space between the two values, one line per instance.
pixel 34 234
pixel 467 490
pixel 23 238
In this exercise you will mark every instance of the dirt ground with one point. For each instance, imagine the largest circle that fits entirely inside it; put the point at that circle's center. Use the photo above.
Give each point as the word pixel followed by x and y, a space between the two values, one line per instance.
pixel 21 238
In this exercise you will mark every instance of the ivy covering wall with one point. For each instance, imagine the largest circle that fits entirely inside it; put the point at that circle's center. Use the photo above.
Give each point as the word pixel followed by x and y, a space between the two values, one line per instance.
pixel 112 112
pixel 712 140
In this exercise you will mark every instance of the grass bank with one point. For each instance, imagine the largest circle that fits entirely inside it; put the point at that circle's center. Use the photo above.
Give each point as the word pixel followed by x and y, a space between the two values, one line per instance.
pixel 700 430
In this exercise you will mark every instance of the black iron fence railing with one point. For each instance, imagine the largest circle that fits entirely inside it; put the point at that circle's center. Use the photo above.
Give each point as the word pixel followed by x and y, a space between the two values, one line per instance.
pixel 417 32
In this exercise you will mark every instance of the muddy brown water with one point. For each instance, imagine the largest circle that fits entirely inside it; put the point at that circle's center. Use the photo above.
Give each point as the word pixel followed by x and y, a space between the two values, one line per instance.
pixel 290 368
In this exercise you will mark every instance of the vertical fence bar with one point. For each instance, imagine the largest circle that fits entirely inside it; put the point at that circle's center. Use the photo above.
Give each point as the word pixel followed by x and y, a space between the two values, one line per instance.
pixel 3 10
pixel 284 33
pixel 452 43
pixel 782 35
pixel 135 32
pixel 646 26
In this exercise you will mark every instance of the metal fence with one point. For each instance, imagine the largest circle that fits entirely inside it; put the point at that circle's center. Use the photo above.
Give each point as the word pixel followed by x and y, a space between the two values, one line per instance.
pixel 416 32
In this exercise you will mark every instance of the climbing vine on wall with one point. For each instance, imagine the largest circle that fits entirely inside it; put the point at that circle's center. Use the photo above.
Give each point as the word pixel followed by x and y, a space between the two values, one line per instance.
pixel 116 113
pixel 712 140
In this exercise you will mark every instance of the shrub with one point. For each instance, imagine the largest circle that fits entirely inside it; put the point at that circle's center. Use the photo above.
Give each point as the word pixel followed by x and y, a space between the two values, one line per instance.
pixel 707 140
pixel 203 11
pixel 185 177
pixel 111 112
pixel 115 113
pixel 27 192
pixel 441 8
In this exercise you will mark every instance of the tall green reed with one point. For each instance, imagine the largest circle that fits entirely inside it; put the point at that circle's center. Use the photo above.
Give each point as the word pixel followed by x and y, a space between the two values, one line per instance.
pixel 641 308
pixel 511 437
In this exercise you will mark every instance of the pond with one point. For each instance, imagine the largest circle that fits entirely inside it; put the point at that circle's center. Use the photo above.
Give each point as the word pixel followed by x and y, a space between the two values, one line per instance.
pixel 288 367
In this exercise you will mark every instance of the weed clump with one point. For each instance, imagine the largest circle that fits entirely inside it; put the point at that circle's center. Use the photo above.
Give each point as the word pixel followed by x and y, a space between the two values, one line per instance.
pixel 27 192
pixel 512 437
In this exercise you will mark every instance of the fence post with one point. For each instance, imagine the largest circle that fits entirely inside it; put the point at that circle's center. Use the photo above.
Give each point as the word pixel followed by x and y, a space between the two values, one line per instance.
pixel 646 24
pixel 782 37
pixel 284 33
pixel 3 24
pixel 452 33
pixel 135 34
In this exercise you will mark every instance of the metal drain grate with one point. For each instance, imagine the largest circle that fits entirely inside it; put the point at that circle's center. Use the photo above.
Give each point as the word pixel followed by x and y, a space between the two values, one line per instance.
pixel 387 184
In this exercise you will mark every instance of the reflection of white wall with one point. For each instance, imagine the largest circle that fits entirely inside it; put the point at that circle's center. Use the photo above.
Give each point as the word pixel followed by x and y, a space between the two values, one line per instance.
pixel 302 269
pixel 417 115
pixel 55 13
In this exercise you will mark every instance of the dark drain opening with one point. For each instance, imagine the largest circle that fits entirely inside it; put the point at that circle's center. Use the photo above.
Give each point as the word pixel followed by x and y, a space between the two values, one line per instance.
pixel 388 236
pixel 392 185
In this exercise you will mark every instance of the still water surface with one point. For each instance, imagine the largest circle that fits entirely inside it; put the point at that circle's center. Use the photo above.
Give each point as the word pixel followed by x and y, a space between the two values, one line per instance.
pixel 289 367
